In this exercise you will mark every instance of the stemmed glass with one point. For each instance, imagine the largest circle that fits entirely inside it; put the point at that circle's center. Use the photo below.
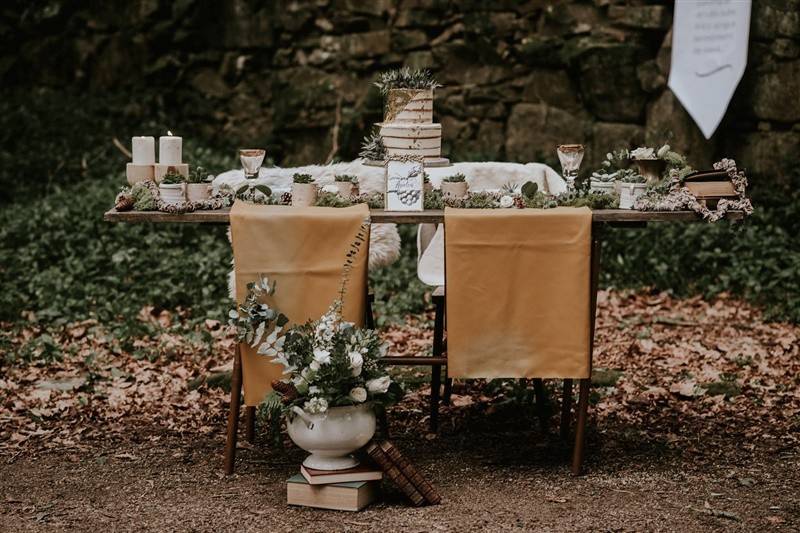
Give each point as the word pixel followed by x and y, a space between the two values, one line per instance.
pixel 570 156
pixel 251 161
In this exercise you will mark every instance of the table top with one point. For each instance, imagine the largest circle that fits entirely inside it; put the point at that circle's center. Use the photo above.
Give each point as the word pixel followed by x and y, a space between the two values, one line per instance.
pixel 221 216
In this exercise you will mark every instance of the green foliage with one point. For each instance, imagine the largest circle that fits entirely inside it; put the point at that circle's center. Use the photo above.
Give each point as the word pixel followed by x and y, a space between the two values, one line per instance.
pixel 332 199
pixel 433 199
pixel 405 78
pixel 345 178
pixel 302 178
pixel 143 198
pixel 455 178
pixel 529 189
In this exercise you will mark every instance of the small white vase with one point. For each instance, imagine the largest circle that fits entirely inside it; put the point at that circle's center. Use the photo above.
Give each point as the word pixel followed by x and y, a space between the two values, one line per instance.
pixel 304 194
pixel 196 192
pixel 602 187
pixel 346 189
pixel 454 189
pixel 629 192
pixel 172 193
pixel 333 436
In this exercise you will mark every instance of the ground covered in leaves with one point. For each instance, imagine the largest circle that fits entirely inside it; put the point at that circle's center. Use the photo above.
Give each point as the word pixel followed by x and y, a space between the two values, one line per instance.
pixel 694 425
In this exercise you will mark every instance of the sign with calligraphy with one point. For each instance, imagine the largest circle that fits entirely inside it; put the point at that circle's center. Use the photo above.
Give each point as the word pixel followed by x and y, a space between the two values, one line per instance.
pixel 404 184
pixel 709 55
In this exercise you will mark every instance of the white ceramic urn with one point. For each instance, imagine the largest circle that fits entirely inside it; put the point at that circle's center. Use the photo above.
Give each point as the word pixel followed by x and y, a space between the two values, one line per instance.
pixel 331 437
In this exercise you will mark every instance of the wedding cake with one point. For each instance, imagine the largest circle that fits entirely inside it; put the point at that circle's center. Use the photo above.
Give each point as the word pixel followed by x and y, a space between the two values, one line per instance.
pixel 408 127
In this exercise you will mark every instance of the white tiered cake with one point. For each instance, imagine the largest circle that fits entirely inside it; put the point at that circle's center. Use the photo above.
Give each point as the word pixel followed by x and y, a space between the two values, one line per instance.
pixel 408 128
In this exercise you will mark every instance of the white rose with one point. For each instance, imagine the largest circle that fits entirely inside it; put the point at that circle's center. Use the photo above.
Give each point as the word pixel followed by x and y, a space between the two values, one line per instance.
pixel 330 188
pixel 314 366
pixel 323 357
pixel 355 359
pixel 358 395
pixel 506 201
pixel 379 385
pixel 316 405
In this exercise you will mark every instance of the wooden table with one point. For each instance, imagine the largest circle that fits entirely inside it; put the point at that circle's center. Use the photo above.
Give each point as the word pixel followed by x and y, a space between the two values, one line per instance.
pixel 600 219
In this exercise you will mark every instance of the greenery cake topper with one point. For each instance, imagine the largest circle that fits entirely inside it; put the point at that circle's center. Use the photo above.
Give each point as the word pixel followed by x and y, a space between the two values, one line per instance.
pixel 406 78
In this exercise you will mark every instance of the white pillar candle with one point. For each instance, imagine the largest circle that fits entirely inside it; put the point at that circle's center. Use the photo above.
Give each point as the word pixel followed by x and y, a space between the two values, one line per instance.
pixel 170 150
pixel 143 150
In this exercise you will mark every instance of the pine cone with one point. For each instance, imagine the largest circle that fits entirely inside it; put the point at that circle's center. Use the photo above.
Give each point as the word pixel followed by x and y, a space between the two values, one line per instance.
pixel 124 202
pixel 286 198
pixel 287 391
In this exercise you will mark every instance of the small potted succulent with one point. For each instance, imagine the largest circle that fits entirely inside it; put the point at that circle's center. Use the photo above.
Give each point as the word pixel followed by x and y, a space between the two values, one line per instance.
pixel 304 190
pixel 346 185
pixel 603 182
pixel 454 187
pixel 172 188
pixel 198 185
pixel 632 186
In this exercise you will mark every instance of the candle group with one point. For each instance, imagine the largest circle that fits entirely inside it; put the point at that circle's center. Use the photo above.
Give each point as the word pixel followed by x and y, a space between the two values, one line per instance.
pixel 143 154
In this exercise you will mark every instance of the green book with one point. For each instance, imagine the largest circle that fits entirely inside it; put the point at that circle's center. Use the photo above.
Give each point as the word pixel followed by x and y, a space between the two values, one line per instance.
pixel 348 496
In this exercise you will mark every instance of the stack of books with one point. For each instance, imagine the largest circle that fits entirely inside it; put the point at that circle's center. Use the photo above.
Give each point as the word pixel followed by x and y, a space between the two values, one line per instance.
pixel 400 470
pixel 343 490
pixel 355 488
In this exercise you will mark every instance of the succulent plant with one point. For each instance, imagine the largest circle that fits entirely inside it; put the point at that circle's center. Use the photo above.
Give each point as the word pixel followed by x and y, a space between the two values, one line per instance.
pixel 406 78
pixel 372 148
pixel 302 178
pixel 171 178
pixel 455 178
pixel 199 175
pixel 345 178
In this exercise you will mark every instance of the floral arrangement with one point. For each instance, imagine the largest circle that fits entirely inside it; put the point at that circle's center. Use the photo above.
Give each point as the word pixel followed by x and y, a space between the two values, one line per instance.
pixel 406 78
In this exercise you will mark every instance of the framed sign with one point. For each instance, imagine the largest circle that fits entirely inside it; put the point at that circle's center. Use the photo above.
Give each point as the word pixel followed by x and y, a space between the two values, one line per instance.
pixel 404 184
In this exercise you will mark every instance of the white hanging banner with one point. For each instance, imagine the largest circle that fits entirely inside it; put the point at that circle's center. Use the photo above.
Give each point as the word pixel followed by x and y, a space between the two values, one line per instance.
pixel 709 55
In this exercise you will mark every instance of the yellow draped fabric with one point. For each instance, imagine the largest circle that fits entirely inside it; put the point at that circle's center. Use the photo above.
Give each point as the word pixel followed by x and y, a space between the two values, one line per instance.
pixel 518 292
pixel 304 250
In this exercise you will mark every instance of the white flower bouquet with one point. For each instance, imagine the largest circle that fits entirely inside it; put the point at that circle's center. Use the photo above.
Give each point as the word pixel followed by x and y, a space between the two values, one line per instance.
pixel 328 362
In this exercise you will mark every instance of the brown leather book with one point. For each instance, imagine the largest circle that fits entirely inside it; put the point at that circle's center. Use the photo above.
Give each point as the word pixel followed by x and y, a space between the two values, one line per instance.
pixel 393 473
pixel 410 471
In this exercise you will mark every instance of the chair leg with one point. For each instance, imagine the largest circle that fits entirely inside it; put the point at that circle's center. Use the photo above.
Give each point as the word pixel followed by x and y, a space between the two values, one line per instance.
pixel 541 403
pixel 369 319
pixel 580 430
pixel 566 409
pixel 250 423
pixel 436 384
pixel 436 370
pixel 233 413
pixel 383 422
pixel 448 388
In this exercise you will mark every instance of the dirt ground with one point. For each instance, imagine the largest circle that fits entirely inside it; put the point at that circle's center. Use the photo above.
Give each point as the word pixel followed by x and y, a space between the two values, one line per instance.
pixel 693 427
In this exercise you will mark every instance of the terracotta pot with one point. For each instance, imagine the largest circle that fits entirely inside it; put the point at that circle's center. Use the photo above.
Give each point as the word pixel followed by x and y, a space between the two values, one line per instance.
pixel 454 189
pixel 197 192
pixel 172 193
pixel 346 189
pixel 651 169
pixel 304 194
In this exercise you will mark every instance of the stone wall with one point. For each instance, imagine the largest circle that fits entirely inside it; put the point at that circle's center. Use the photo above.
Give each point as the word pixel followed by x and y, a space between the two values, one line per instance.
pixel 519 76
